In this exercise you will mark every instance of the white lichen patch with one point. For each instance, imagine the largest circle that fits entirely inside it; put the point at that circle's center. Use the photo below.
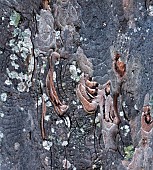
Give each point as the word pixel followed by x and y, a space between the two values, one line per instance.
pixel 39 101
pixel 121 114
pixel 1 114
pixel 24 130
pixel 45 97
pixel 8 82
pixel 12 74
pixel 66 164
pixel 135 107
pixel 67 122
pixel 94 166
pixel 21 87
pixel 3 97
pixel 16 66
pixel 59 122
pixel 57 35
pixel 74 102
pixel 47 145
pixel 48 104
pixel 97 120
pixel 64 143
pixel 13 57
pixel 74 72
pixel 22 108
pixel 46 160
pixel 1 136
pixel 82 130
pixel 151 10
pixel 47 117
pixel 52 130
pixel 16 146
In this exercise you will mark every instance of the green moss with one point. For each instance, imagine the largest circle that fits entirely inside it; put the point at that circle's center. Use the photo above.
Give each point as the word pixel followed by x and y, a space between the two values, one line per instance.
pixel 129 150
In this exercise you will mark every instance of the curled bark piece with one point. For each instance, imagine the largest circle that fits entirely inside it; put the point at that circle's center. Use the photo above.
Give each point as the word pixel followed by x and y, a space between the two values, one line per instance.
pixel 59 107
pixel 42 119
pixel 115 98
pixel 91 84
pixel 89 107
pixel 82 89
pixel 92 92
pixel 146 119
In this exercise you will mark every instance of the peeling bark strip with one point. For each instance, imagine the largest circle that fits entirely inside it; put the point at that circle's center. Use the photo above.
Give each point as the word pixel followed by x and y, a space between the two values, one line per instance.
pixel 43 134
pixel 119 68
pixel 59 107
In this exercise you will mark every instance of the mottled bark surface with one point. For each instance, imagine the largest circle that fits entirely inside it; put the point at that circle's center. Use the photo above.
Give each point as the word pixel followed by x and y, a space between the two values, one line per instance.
pixel 85 34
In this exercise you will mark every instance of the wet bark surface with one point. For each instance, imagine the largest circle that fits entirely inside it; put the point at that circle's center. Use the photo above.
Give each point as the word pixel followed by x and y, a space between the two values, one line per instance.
pixel 85 34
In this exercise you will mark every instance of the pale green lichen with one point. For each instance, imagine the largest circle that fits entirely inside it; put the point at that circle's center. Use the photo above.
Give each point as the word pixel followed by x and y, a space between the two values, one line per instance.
pixel 21 43
pixel 15 18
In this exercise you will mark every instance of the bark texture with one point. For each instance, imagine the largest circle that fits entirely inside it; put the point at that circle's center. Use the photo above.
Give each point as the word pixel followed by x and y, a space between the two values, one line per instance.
pixel 44 124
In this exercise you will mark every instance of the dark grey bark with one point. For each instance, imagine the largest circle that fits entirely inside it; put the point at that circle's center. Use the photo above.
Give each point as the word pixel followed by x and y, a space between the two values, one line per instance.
pixel 85 34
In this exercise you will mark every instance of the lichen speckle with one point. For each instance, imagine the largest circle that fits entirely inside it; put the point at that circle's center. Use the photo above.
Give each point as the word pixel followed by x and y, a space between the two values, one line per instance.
pixel 75 73
pixel 3 97
pixel 47 117
pixel 21 87
pixel 64 143
pixel 13 57
pixel 59 122
pixel 16 146
pixel 48 104
pixel 47 145
pixel 16 66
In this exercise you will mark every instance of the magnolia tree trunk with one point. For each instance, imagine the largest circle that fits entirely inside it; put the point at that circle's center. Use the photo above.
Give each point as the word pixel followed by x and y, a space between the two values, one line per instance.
pixel 76 84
